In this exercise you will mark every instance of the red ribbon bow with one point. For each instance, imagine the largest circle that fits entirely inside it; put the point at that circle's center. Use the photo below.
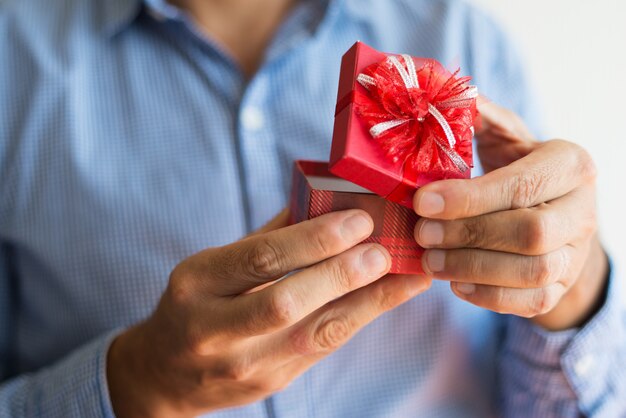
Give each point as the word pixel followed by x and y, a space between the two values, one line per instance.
pixel 423 117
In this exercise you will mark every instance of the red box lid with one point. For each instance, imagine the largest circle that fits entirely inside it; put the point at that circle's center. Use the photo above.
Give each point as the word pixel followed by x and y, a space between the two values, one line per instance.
pixel 355 156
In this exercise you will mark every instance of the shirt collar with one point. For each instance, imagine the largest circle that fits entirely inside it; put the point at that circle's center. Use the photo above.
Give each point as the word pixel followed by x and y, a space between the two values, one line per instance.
pixel 161 9
pixel 116 15
pixel 119 14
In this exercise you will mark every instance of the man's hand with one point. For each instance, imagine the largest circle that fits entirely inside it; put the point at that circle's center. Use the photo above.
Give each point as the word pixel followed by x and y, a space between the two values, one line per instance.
pixel 229 331
pixel 520 239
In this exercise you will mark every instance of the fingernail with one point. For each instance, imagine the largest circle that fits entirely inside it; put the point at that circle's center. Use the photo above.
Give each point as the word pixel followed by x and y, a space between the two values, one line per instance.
pixel 356 228
pixel 431 233
pixel 430 204
pixel 435 260
pixel 465 288
pixel 374 261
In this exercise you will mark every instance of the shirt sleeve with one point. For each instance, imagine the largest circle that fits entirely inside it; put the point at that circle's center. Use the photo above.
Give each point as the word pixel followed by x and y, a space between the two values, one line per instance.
pixel 75 386
pixel 568 373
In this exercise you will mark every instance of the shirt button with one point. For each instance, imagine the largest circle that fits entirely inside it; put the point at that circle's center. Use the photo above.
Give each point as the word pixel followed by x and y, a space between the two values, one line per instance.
pixel 584 365
pixel 252 119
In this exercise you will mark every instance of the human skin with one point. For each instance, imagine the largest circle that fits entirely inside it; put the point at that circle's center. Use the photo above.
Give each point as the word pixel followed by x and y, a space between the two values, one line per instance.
pixel 226 332
pixel 522 238
pixel 244 28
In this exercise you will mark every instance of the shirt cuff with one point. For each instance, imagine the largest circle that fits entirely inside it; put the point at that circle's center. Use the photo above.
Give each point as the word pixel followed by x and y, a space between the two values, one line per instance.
pixel 74 387
pixel 568 372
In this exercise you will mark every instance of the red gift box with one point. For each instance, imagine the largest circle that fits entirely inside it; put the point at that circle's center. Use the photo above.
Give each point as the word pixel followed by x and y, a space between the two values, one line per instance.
pixel 316 191
pixel 357 157
pixel 400 123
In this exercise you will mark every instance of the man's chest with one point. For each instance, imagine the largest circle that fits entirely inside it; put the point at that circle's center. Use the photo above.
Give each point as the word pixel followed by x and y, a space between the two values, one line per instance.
pixel 120 178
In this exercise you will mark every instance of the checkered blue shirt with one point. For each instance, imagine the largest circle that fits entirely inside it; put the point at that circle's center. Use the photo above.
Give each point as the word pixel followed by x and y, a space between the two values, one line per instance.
pixel 129 141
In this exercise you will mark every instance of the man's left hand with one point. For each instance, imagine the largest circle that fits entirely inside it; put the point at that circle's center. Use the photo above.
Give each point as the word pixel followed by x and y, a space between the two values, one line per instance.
pixel 520 239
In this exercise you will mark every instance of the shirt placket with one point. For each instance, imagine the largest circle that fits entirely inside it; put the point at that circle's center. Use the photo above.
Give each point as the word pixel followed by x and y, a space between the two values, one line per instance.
pixel 261 177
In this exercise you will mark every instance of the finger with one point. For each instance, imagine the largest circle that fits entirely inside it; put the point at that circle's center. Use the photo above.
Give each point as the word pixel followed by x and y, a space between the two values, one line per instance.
pixel 501 269
pixel 501 137
pixel 521 302
pixel 551 171
pixel 501 123
pixel 336 323
pixel 293 298
pixel 533 231
pixel 273 361
pixel 258 259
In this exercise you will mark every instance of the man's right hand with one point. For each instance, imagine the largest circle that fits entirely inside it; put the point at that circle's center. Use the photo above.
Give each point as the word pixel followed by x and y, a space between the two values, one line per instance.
pixel 227 332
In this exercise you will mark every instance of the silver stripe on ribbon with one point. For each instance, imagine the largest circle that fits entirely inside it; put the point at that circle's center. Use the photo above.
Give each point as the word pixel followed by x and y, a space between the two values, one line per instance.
pixel 408 83
pixel 410 65
pixel 366 81
pixel 381 128
pixel 461 100
pixel 444 124
pixel 455 104
pixel 454 157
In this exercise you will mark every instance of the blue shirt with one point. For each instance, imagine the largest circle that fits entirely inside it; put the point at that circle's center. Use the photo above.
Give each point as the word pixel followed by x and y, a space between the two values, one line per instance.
pixel 129 141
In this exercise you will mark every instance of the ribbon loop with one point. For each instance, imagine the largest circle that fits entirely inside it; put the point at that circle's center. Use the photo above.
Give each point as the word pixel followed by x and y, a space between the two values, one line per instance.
pixel 443 98
pixel 380 128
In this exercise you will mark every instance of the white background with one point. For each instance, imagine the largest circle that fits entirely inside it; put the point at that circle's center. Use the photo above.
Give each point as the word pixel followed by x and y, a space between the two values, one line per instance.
pixel 576 56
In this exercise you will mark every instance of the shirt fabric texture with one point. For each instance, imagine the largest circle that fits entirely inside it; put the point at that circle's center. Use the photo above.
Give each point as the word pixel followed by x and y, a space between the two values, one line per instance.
pixel 129 141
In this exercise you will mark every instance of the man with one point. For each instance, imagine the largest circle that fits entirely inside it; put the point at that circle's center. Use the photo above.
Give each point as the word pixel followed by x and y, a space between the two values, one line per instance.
pixel 134 135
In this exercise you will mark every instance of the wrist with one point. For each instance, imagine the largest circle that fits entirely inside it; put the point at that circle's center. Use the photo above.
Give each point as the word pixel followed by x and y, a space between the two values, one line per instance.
pixel 135 385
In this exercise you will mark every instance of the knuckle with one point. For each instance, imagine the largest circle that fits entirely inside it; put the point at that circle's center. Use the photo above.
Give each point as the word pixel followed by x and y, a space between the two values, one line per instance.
pixel 471 261
pixel 585 163
pixel 342 273
pixel 387 298
pixel 541 271
pixel 324 240
pixel 589 225
pixel 181 288
pixel 473 232
pixel 535 233
pixel 265 259
pixel 544 301
pixel 325 338
pixel 266 386
pixel 332 334
pixel 280 308
pixel 230 369
pixel 525 189
pixel 498 301
pixel 471 203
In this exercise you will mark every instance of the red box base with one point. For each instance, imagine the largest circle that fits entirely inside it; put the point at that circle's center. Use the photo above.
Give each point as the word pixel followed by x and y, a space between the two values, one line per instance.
pixel 393 223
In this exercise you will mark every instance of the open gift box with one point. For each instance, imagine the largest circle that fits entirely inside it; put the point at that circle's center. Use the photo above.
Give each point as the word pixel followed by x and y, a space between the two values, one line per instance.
pixel 400 123
pixel 316 191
